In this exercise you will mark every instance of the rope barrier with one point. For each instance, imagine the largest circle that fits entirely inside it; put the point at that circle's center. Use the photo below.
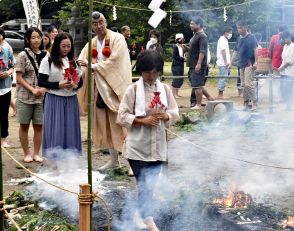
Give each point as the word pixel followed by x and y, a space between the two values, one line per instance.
pixel 87 199
pixel 236 159
pixel 215 77
pixel 179 11
pixel 83 198
pixel 34 174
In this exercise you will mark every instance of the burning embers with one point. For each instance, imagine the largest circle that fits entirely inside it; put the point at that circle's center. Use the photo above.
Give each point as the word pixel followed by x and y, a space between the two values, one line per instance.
pixel 235 199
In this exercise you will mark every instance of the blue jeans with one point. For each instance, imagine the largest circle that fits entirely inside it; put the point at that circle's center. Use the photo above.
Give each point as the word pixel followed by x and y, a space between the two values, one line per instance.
pixel 222 82
pixel 286 87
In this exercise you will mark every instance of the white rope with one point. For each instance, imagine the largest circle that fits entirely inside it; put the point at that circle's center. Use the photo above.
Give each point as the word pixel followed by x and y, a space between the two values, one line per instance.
pixel 180 11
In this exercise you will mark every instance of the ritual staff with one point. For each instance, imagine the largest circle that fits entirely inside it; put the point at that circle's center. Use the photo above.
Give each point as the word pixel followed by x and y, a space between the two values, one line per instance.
pixel 60 75
pixel 147 108
pixel 111 76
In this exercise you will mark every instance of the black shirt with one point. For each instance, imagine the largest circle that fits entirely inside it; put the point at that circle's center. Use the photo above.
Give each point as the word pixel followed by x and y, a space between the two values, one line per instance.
pixel 198 44
pixel 245 48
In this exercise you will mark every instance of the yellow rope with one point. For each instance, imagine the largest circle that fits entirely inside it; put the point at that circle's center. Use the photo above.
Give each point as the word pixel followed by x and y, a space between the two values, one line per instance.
pixel 12 220
pixel 83 198
pixel 34 174
pixel 88 199
pixel 237 159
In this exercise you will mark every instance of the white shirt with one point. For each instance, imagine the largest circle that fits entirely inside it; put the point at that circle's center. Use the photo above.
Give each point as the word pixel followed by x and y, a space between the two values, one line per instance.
pixel 100 47
pixel 288 57
pixel 148 44
pixel 57 75
pixel 180 48
pixel 222 44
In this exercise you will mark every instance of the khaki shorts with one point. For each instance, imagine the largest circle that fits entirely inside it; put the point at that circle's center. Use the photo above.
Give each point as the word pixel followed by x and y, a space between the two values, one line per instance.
pixel 25 113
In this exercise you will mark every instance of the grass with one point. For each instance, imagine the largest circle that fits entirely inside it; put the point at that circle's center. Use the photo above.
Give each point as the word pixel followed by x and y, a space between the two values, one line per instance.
pixel 213 71
pixel 117 174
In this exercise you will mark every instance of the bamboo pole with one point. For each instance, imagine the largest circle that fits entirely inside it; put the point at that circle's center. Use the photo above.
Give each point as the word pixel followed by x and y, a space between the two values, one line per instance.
pixel 12 221
pixel 85 209
pixel 1 188
pixel 90 105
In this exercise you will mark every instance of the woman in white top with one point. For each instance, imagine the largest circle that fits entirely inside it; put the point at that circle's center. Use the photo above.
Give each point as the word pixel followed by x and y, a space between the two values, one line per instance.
pixel 61 129
pixel 287 68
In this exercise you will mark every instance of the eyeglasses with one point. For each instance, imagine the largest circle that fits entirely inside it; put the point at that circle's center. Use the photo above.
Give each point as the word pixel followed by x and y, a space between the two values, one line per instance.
pixel 95 15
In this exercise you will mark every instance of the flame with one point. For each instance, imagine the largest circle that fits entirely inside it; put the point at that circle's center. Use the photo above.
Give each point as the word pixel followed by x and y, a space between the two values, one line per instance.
pixel 235 199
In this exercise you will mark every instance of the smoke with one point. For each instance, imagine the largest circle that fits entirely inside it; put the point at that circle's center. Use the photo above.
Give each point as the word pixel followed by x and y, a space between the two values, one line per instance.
pixel 199 173
pixel 196 173
pixel 67 173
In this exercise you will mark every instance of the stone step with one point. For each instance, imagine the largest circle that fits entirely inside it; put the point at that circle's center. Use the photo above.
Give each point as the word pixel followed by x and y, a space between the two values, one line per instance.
pixel 212 104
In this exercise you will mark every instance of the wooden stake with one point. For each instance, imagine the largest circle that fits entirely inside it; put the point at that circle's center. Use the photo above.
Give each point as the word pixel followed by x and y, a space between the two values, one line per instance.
pixel 85 210
pixel 90 105
pixel 1 188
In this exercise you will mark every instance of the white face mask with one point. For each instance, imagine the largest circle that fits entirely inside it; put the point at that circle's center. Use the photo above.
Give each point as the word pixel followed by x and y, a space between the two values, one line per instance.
pixel 153 40
pixel 229 36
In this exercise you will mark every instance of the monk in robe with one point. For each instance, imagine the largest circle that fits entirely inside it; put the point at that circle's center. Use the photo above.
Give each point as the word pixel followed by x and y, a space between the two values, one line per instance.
pixel 111 76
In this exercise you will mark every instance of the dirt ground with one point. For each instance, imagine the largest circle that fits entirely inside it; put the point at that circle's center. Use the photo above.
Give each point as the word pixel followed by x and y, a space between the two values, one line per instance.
pixel 12 171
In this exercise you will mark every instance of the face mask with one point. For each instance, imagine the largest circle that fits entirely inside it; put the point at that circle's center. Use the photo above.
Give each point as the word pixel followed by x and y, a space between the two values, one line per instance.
pixel 230 36
pixel 153 40
pixel 180 41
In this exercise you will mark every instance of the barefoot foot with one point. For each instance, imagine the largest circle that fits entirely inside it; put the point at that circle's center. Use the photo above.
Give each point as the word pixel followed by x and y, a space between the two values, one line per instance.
pixel 28 159
pixel 151 226
pixel 139 221
pixel 38 159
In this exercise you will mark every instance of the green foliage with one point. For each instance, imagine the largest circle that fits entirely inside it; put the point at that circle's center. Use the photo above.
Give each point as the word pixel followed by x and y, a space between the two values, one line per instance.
pixel 181 126
pixel 36 216
pixel 258 15
pixel 117 174
pixel 17 198
pixel 168 53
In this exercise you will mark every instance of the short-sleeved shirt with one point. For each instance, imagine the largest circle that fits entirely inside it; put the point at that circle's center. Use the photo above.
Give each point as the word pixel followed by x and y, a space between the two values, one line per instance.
pixel 7 62
pixel 24 66
pixel 245 47
pixel 222 44
pixel 288 57
pixel 276 51
pixel 56 75
pixel 198 44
